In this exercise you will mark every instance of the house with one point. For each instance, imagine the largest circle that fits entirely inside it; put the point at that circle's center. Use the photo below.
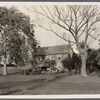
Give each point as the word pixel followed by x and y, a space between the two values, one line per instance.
pixel 56 53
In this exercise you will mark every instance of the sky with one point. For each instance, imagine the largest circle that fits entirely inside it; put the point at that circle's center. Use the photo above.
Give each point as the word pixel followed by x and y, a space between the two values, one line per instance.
pixel 44 37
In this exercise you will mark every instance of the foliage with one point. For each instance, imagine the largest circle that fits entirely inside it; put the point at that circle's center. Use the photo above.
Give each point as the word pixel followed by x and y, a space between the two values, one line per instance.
pixel 72 63
pixel 50 63
pixel 92 56
pixel 17 36
pixel 92 61
pixel 67 63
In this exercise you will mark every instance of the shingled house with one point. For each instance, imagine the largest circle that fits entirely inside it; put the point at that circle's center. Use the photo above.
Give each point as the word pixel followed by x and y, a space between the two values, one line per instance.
pixel 57 53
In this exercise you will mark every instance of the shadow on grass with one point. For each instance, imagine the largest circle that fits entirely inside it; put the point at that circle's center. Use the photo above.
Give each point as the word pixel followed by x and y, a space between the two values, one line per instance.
pixel 9 86
pixel 10 92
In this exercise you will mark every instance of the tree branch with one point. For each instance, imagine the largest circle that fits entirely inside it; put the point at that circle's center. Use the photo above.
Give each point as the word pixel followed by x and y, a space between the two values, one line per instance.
pixel 54 32
pixel 50 12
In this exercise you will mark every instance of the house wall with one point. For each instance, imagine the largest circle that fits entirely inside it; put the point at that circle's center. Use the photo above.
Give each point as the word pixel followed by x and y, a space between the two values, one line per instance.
pixel 58 58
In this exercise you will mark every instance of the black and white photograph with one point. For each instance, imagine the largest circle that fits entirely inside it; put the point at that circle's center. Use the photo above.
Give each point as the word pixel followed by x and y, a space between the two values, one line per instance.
pixel 49 48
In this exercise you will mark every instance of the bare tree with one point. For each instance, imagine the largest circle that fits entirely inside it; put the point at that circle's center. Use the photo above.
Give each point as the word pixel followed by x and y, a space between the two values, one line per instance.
pixel 80 21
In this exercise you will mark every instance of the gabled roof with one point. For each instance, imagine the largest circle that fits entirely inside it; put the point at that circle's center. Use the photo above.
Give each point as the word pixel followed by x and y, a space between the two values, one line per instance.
pixel 53 50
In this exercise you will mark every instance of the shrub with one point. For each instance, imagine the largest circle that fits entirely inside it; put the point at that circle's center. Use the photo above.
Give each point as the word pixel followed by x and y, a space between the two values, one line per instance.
pixel 67 63
pixel 72 63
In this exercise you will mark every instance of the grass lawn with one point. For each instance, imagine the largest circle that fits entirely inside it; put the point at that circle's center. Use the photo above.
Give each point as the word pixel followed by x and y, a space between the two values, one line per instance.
pixel 17 84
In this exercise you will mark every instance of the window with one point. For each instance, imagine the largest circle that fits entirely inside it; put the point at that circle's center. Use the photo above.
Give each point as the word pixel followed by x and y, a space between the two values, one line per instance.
pixel 58 57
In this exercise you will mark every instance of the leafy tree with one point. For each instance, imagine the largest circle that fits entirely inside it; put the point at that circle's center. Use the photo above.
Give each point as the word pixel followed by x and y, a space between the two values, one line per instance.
pixel 14 28
pixel 72 63
pixel 93 60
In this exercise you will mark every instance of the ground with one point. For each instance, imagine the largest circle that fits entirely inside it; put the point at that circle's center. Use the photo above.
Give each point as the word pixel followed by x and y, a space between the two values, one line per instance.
pixel 17 84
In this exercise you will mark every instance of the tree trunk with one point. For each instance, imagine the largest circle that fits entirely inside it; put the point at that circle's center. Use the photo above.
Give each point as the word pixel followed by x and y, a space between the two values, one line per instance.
pixel 83 66
pixel 84 54
pixel 4 67
pixel 5 60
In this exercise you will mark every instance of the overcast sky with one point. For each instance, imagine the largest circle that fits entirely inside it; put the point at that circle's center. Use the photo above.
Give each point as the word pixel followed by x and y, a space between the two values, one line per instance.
pixel 44 37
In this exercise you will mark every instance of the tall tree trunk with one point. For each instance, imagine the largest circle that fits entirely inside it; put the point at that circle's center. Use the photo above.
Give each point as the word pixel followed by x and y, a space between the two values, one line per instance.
pixel 84 54
pixel 5 59
pixel 83 66
pixel 83 58
pixel 4 67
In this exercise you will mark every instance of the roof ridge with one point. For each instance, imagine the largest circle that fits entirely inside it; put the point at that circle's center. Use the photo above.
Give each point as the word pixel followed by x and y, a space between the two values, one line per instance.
pixel 55 46
pixel 51 50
